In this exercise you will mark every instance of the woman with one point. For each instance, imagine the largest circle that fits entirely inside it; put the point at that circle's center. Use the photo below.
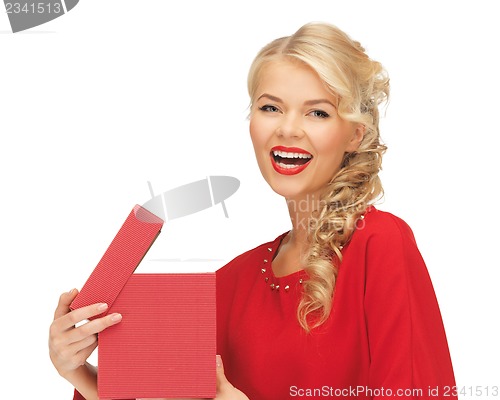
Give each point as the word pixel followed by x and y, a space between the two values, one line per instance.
pixel 342 304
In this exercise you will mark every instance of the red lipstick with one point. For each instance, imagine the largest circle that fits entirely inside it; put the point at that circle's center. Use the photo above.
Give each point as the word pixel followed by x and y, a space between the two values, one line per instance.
pixel 289 160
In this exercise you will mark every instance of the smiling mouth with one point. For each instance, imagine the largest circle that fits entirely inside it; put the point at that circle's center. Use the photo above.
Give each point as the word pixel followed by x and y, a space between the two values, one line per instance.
pixel 290 160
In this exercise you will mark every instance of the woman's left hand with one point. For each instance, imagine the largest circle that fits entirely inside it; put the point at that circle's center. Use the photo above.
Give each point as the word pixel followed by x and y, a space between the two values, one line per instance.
pixel 226 391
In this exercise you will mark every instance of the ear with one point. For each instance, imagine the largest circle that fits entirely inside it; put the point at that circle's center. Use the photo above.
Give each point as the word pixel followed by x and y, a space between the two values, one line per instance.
pixel 357 137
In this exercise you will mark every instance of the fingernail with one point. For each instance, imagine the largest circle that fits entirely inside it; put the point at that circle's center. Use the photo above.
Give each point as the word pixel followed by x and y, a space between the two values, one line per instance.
pixel 116 317
pixel 102 307
pixel 218 361
pixel 71 291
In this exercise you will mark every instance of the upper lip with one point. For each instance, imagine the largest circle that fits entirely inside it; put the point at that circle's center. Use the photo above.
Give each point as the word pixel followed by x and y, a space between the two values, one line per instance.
pixel 292 150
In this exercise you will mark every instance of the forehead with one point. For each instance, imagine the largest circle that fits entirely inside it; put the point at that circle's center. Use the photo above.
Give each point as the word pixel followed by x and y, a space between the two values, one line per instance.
pixel 293 80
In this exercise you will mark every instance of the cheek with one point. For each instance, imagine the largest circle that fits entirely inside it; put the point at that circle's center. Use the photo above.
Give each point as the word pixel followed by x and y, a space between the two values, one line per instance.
pixel 331 149
pixel 259 142
pixel 257 134
pixel 333 141
pixel 252 128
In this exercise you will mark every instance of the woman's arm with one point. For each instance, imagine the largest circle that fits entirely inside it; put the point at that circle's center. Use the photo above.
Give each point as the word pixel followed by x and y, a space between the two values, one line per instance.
pixel 84 379
pixel 70 346
pixel 408 347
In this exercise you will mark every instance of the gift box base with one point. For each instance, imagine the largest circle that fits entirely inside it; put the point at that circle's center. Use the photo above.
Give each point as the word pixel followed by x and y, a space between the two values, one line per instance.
pixel 165 345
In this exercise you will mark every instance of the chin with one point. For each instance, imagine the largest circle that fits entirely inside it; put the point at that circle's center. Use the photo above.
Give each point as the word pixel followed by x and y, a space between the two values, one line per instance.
pixel 302 186
pixel 291 190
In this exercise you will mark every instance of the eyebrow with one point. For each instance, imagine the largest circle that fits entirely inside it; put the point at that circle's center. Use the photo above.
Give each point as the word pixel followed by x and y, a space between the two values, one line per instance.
pixel 307 103
pixel 318 101
pixel 270 97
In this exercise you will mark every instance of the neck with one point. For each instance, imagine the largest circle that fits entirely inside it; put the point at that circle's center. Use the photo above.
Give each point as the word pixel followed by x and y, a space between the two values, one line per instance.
pixel 301 215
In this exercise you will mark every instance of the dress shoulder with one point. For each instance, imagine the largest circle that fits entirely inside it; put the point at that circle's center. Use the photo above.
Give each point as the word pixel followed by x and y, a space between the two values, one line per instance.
pixel 383 225
pixel 247 258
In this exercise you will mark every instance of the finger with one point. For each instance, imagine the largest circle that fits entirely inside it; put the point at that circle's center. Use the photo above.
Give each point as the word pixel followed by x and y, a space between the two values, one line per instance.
pixel 84 343
pixel 219 364
pixel 221 377
pixel 81 314
pixel 84 354
pixel 69 350
pixel 74 355
pixel 93 327
pixel 64 301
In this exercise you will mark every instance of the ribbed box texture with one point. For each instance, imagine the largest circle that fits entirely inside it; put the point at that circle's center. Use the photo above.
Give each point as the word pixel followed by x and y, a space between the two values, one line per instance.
pixel 165 345
pixel 120 260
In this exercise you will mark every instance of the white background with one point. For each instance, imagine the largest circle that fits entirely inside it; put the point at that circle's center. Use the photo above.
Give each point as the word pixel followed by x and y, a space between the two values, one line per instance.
pixel 118 92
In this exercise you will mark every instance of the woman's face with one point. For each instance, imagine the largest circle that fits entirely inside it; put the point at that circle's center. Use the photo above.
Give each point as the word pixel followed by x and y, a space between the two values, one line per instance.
pixel 298 137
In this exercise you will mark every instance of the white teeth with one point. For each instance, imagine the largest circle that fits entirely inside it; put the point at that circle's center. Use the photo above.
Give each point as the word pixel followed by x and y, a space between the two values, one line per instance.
pixel 284 154
pixel 287 166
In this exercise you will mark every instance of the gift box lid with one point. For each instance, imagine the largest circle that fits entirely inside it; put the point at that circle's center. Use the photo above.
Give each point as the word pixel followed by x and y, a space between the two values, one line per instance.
pixel 120 260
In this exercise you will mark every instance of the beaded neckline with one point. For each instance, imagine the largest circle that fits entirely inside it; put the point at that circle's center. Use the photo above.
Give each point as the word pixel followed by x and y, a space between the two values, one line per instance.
pixel 285 283
pixel 277 284
pixel 269 279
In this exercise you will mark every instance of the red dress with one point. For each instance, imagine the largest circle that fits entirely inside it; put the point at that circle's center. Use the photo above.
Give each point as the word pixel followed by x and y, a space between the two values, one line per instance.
pixel 384 337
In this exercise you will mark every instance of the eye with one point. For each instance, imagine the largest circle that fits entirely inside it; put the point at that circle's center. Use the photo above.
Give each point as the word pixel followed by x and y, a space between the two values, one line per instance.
pixel 319 114
pixel 269 108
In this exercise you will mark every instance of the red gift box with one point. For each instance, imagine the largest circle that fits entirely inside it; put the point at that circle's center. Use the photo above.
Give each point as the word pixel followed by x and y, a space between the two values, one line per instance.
pixel 165 345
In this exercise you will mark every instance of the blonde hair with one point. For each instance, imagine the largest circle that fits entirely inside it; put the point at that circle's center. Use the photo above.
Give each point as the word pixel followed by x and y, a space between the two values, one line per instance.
pixel 361 85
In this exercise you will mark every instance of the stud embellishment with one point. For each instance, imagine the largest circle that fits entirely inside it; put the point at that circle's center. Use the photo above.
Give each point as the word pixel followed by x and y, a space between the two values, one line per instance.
pixel 267 272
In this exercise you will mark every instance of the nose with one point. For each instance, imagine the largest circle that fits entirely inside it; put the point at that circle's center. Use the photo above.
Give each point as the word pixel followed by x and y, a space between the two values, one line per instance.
pixel 290 126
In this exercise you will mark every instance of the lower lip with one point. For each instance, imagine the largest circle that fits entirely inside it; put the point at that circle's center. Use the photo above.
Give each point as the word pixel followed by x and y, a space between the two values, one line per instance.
pixel 288 171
